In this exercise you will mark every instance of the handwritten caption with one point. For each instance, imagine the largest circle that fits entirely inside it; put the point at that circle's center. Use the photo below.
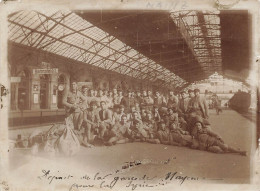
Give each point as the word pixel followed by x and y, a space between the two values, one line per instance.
pixel 110 181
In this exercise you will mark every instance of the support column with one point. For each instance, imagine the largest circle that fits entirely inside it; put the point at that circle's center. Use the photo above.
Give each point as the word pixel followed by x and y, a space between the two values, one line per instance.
pixel 53 99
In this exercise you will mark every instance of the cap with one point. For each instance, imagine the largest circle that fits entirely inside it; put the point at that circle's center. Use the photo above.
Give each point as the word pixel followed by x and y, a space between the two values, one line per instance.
pixel 84 86
pixel 93 103
pixel 196 90
pixel 121 106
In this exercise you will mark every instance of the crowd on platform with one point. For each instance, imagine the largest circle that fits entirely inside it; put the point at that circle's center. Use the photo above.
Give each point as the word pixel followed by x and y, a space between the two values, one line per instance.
pixel 114 117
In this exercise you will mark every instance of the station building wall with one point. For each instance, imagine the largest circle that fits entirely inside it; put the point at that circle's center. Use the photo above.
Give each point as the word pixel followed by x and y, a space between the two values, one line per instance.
pixel 38 94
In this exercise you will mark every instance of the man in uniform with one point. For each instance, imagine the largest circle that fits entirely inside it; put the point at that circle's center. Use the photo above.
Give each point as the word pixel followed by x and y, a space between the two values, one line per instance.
pixel 106 120
pixel 183 103
pixel 148 100
pixel 172 100
pixel 71 101
pixel 84 90
pixel 199 105
pixel 159 100
pixel 128 101
pixel 91 121
pixel 92 96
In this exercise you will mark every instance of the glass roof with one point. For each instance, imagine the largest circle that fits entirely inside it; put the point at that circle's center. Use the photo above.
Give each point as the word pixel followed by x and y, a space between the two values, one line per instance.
pixel 201 30
pixel 66 34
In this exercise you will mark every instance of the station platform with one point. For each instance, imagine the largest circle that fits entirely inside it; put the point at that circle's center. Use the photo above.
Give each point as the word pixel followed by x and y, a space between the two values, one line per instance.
pixel 235 130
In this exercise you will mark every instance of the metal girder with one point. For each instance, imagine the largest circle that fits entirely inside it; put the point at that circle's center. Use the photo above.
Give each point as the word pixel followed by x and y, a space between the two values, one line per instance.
pixel 81 53
pixel 64 36
pixel 47 32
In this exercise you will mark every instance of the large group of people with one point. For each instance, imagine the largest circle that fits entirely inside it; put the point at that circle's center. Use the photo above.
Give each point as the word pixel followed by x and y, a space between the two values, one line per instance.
pixel 102 117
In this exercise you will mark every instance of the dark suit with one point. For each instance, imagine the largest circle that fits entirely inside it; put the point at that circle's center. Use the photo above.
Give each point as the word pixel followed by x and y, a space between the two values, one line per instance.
pixel 183 105
pixel 128 102
pixel 106 121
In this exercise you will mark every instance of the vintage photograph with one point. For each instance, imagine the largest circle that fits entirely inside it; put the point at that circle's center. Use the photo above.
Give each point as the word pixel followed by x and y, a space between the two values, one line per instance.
pixel 130 99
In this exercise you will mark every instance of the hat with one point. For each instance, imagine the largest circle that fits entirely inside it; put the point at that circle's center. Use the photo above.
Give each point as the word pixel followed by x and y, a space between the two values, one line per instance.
pixel 135 122
pixel 196 90
pixel 121 106
pixel 84 86
pixel 197 119
pixel 148 112
pixel 93 103
pixel 162 122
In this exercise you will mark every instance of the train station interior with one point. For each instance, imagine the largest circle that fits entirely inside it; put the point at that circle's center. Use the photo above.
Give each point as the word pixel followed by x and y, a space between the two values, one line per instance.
pixel 133 51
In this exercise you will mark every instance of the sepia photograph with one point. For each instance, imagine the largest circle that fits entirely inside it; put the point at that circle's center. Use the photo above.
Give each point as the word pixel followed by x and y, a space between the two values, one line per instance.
pixel 131 99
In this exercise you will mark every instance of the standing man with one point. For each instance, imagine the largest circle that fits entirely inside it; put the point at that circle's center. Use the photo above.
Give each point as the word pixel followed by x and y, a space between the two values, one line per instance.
pixel 92 96
pixel 159 100
pixel 183 103
pixel 84 90
pixel 71 101
pixel 172 100
pixel 116 98
pixel 138 97
pixel 199 105
pixel 128 101
pixel 148 100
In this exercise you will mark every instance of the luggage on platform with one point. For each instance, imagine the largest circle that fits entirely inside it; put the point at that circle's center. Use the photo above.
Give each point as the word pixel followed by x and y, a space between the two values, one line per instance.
pixel 68 142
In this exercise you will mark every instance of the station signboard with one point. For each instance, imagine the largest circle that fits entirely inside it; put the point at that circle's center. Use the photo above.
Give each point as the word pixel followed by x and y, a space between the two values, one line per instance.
pixel 45 71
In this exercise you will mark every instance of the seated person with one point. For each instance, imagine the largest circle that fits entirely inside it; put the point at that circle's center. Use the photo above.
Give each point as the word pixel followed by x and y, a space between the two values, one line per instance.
pixel 193 118
pixel 119 111
pixel 156 114
pixel 91 121
pixel 105 116
pixel 135 116
pixel 137 132
pixel 207 140
pixel 183 124
pixel 137 107
pixel 179 136
pixel 130 115
pixel 165 118
pixel 143 113
pixel 173 116
pixel 150 125
pixel 120 132
pixel 163 134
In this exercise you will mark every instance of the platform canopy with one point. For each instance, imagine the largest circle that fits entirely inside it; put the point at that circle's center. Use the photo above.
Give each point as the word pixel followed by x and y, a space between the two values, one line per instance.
pixel 167 48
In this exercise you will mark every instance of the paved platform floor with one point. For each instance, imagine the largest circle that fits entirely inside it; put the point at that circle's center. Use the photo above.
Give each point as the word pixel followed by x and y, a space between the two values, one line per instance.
pixel 235 130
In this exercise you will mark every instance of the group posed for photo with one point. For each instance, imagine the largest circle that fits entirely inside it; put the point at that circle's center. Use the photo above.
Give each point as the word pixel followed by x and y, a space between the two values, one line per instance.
pixel 102 117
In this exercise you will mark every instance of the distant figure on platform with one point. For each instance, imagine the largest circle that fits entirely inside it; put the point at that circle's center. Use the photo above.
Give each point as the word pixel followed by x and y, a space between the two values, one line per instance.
pixel 217 104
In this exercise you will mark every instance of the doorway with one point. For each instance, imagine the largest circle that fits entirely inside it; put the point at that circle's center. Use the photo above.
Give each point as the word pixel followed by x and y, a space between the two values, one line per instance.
pixel 44 93
pixel 23 91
